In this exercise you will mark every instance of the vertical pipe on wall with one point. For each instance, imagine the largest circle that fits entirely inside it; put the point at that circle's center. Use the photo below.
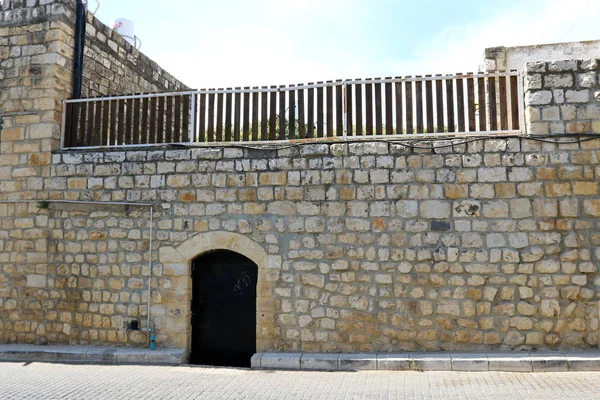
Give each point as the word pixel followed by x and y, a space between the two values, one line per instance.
pixel 150 330
pixel 80 23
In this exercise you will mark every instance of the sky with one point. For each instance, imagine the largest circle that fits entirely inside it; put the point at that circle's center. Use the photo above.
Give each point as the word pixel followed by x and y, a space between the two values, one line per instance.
pixel 226 43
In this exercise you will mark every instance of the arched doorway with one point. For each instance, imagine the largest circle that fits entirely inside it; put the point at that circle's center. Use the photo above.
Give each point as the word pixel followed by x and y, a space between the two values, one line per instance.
pixel 223 309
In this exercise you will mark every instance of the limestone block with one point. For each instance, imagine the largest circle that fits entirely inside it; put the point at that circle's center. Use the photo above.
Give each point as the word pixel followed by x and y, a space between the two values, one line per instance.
pixel 577 96
pixel 558 81
pixel 434 209
pixel 541 97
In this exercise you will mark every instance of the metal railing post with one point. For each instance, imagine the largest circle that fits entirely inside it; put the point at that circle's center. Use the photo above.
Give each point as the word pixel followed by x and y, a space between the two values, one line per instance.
pixel 63 128
pixel 192 118
pixel 523 127
pixel 344 94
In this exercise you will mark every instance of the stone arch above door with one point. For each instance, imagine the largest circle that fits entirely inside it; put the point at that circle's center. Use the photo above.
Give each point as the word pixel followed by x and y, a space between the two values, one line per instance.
pixel 177 262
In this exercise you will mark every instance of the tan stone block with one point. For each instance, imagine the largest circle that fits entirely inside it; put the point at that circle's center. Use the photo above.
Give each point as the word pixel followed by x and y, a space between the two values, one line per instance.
pixel 505 190
pixel 178 181
pixel 558 189
pixel 455 191
pixel 344 177
pixel 77 183
pixel 546 174
pixel 492 338
pixel 12 134
pixel 272 178
pixel 255 208
pixel 169 255
pixel 347 193
pixel 530 189
pixel 585 157
pixel 534 338
pixel 591 208
pixel 267 304
pixel 186 196
pixel 545 208
pixel 379 224
pixel 27 147
pixel 585 188
pixel 247 195
pixel 568 207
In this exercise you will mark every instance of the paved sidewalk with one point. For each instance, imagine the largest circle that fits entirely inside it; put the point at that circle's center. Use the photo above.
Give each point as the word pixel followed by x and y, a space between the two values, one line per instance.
pixel 76 381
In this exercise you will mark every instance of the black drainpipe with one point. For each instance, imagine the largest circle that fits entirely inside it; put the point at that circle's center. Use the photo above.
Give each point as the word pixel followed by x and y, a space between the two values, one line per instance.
pixel 80 22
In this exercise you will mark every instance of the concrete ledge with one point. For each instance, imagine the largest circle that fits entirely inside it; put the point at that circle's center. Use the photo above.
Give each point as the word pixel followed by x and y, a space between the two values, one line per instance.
pixel 469 362
pixel 356 362
pixel 91 354
pixel 548 361
pixel 319 361
pixel 431 361
pixel 280 360
pixel 393 361
pixel 583 361
pixel 510 362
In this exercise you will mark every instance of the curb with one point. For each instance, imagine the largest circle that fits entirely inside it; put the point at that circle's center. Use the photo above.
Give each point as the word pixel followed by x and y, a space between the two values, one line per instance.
pixel 92 355
pixel 434 361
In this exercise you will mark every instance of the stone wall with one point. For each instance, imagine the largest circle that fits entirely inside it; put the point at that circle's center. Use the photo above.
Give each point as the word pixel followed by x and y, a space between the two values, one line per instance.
pixel 372 246
pixel 35 76
pixel 36 67
pixel 563 97
pixel 112 66
pixel 515 58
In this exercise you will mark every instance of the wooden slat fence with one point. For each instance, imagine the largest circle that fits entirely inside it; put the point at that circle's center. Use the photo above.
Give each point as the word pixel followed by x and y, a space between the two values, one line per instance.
pixel 439 104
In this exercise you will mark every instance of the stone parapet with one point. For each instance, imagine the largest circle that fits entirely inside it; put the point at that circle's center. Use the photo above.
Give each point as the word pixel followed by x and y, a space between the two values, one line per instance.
pixel 562 97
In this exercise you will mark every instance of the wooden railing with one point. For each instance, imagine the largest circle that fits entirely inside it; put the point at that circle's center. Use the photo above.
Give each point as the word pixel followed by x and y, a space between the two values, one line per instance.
pixel 430 105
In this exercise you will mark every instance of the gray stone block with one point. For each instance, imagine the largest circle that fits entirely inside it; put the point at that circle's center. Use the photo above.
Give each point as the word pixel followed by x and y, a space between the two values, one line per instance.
pixel 71 356
pixel 45 355
pixel 584 361
pixel 469 362
pixel 393 361
pixel 255 360
pixel 510 362
pixel 166 356
pixel 356 362
pixel 131 356
pixel 319 362
pixel 430 361
pixel 548 362
pixel 280 361
pixel 101 355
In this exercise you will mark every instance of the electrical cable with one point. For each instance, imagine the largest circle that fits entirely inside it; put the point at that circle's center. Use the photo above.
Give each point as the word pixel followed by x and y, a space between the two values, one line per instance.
pixel 405 143
pixel 576 19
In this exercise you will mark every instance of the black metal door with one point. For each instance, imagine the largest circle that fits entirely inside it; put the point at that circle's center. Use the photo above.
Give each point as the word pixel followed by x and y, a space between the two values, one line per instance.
pixel 223 309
